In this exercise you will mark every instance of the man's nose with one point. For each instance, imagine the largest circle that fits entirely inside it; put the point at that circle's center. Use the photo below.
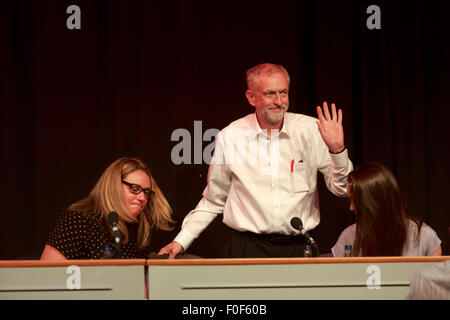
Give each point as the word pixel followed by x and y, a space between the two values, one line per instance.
pixel 277 100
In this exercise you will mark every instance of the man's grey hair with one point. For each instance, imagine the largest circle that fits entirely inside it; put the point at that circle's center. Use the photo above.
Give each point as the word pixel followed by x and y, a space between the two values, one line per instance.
pixel 263 68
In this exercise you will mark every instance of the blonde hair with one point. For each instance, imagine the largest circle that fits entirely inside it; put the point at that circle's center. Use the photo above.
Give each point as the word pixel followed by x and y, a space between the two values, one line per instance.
pixel 107 196
pixel 254 73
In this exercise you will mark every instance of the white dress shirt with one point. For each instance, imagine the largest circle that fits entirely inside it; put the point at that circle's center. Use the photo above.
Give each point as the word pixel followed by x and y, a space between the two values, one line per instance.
pixel 261 183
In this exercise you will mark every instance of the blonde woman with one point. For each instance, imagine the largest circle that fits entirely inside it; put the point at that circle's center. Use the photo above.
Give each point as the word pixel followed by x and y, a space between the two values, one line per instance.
pixel 126 187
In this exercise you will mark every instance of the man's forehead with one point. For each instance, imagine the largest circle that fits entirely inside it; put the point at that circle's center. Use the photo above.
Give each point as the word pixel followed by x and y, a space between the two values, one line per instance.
pixel 268 81
pixel 271 73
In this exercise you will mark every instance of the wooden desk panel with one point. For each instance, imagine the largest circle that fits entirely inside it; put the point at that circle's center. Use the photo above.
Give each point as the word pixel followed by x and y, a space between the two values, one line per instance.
pixel 216 279
pixel 113 279
pixel 284 279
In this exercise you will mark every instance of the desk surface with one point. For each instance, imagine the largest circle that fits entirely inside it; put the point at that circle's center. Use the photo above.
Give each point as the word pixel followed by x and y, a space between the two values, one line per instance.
pixel 251 261
pixel 65 263
pixel 247 261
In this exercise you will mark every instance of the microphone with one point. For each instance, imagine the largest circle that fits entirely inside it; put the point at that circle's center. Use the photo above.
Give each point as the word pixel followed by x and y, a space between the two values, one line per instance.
pixel 297 224
pixel 113 218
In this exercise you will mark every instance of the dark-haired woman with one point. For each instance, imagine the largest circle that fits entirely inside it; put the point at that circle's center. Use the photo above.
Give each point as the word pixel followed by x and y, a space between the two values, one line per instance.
pixel 383 225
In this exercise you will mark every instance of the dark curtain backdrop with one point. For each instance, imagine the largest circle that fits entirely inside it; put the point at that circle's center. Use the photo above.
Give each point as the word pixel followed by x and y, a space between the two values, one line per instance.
pixel 73 101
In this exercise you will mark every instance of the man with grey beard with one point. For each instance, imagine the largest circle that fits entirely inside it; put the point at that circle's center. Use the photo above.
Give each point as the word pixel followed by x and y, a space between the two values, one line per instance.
pixel 264 173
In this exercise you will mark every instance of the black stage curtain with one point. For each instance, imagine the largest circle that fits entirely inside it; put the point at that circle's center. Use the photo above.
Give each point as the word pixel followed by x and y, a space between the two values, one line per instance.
pixel 73 101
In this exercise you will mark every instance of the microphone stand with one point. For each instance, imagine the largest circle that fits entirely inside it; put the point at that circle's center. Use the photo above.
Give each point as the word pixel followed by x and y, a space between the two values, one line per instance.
pixel 312 242
pixel 117 251
pixel 297 224
pixel 113 219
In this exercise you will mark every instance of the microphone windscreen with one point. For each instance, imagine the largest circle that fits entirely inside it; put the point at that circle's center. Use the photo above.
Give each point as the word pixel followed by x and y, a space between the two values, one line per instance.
pixel 296 223
pixel 113 218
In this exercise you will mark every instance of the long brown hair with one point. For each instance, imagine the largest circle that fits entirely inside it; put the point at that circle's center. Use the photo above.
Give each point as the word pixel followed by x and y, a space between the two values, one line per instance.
pixel 382 219
pixel 107 196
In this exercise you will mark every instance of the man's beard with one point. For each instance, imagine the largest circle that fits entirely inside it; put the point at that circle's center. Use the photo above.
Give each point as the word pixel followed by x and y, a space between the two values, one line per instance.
pixel 274 117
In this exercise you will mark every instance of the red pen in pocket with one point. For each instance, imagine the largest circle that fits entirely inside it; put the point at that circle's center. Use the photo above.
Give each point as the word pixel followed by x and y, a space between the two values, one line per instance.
pixel 292 165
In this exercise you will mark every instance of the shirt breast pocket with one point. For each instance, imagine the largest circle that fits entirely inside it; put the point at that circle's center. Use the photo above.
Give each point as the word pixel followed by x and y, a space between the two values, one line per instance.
pixel 300 178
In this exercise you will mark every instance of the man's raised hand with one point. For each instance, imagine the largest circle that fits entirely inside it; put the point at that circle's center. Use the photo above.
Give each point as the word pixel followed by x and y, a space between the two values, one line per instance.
pixel 330 127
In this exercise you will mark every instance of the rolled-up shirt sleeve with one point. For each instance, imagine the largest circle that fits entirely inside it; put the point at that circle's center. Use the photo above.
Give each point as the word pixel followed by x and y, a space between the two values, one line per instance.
pixel 334 167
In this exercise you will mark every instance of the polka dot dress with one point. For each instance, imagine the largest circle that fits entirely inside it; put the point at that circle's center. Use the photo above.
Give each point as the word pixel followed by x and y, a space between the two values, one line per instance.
pixel 83 236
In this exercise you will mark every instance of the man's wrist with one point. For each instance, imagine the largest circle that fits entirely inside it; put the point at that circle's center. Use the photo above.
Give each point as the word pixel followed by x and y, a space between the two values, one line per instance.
pixel 337 152
pixel 184 238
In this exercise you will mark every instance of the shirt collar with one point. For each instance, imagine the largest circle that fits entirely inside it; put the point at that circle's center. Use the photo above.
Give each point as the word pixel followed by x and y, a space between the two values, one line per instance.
pixel 256 129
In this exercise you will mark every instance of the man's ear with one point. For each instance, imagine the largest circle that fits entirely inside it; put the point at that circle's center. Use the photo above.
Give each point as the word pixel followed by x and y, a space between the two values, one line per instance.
pixel 250 97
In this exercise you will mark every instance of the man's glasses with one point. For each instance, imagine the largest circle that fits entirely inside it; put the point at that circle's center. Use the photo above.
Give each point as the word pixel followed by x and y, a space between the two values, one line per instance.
pixel 136 189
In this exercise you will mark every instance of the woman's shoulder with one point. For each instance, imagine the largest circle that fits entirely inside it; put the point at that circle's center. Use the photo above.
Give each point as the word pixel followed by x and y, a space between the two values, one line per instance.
pixel 428 233
pixel 75 214
pixel 78 235
pixel 78 217
pixel 349 231
pixel 425 230
pixel 347 237
pixel 427 242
